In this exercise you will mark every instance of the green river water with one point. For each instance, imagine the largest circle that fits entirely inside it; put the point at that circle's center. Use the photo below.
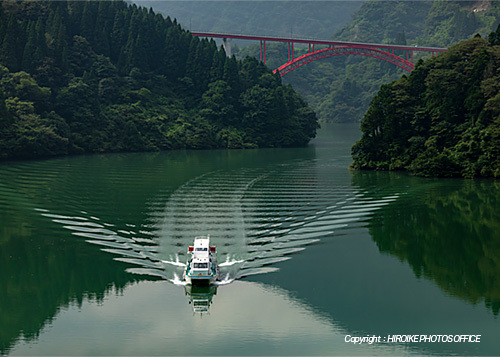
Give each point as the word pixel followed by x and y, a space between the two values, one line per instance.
pixel 311 254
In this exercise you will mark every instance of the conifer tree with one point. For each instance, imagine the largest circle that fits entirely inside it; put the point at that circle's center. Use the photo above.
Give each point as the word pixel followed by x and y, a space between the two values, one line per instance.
pixel 88 22
pixel 175 53
pixel 194 66
pixel 11 51
pixel 30 48
pixel 41 42
pixel 117 37
pixel 494 37
pixel 217 68
pixel 60 48
pixel 231 74
pixel 97 71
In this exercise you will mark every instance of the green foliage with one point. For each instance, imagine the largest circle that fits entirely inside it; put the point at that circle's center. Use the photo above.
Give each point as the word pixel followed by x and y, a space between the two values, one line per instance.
pixel 442 120
pixel 340 89
pixel 103 76
pixel 494 37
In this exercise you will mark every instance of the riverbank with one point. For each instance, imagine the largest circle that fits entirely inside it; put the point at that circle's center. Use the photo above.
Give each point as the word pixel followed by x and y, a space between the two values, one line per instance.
pixel 440 121
pixel 116 77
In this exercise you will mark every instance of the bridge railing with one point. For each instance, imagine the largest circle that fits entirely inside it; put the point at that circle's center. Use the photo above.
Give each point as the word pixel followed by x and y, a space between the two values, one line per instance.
pixel 360 48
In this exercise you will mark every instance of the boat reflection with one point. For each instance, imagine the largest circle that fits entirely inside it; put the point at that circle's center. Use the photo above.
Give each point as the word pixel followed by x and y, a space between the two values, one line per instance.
pixel 200 297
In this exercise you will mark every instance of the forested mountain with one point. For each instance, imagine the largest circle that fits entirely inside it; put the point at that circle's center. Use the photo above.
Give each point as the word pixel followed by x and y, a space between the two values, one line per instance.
pixel 441 120
pixel 317 19
pixel 341 88
pixel 424 23
pixel 102 76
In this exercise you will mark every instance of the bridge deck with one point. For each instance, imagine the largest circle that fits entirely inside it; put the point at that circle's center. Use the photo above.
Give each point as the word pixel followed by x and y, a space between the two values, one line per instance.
pixel 318 42
pixel 381 51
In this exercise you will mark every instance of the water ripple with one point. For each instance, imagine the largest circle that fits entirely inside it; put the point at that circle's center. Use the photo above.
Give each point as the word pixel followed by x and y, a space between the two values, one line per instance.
pixel 257 219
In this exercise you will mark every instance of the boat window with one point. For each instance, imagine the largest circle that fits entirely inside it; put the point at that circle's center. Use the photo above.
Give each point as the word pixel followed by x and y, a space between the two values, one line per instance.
pixel 200 265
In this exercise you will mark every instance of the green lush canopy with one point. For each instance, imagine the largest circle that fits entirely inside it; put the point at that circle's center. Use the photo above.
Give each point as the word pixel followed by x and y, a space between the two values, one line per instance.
pixel 103 76
pixel 441 120
pixel 340 89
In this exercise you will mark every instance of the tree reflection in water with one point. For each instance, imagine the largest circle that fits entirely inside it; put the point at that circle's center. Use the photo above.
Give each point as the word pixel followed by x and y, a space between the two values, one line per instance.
pixel 447 230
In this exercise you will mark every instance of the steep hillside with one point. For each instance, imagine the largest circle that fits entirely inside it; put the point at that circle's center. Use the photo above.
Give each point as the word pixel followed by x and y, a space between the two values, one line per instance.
pixel 340 89
pixel 441 120
pixel 101 76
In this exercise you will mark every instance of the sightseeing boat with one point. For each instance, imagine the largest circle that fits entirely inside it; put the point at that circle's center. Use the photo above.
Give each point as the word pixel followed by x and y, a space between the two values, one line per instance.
pixel 201 268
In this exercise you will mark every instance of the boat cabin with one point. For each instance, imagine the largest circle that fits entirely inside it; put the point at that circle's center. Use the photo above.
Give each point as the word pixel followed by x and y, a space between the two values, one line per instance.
pixel 202 266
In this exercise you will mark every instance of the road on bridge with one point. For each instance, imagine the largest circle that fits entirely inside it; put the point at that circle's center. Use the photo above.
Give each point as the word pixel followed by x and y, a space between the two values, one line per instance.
pixel 381 51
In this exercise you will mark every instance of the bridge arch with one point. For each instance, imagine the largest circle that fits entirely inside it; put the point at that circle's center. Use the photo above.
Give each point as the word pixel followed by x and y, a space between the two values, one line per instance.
pixel 344 50
pixel 381 51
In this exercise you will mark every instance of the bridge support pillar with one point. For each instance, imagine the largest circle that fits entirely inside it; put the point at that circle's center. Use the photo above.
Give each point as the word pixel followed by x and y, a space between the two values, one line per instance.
pixel 263 51
pixel 226 43
pixel 290 51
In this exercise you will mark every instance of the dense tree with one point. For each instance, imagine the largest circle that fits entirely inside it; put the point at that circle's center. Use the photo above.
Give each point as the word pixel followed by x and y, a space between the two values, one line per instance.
pixel 97 76
pixel 442 120
pixel 430 23
pixel 11 43
pixel 494 37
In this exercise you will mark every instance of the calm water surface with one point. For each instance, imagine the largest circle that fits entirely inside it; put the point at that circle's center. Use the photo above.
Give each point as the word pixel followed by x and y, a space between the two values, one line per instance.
pixel 92 250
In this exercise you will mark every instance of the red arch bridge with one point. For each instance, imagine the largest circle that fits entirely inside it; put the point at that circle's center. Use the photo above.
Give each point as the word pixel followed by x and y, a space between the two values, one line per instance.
pixel 333 48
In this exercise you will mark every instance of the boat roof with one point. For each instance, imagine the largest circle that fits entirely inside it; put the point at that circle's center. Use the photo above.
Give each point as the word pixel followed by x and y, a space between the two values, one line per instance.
pixel 201 242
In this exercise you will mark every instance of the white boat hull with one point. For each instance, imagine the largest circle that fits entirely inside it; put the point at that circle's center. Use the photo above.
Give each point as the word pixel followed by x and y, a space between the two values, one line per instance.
pixel 200 279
